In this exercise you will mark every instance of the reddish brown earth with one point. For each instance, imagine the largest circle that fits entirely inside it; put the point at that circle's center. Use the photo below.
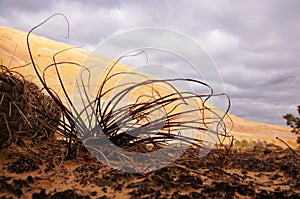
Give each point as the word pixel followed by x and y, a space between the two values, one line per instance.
pixel 268 172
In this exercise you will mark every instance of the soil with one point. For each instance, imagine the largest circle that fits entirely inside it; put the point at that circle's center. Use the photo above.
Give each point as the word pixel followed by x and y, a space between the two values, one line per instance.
pixel 44 172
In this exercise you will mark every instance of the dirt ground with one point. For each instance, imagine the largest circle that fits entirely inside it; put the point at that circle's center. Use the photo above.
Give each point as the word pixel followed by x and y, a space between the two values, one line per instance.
pixel 268 172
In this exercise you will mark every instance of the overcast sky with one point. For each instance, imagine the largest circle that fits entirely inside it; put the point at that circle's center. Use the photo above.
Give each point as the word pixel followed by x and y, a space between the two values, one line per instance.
pixel 255 44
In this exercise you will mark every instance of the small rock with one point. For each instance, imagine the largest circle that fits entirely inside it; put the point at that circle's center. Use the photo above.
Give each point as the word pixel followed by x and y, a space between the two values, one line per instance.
pixel 244 172
pixel 30 179
pixel 93 193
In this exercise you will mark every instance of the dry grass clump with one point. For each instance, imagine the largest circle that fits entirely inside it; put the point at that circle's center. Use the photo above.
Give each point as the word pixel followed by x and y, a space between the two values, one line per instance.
pixel 25 111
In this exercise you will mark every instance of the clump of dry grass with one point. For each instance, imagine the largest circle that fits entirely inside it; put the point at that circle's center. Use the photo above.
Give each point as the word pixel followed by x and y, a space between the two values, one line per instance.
pixel 25 111
pixel 136 118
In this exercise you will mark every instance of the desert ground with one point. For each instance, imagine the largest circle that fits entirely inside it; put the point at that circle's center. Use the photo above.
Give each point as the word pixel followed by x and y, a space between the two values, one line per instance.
pixel 257 172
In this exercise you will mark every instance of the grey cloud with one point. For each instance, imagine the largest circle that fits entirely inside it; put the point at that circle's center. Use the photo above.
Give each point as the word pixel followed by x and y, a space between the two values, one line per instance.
pixel 24 6
pixel 265 111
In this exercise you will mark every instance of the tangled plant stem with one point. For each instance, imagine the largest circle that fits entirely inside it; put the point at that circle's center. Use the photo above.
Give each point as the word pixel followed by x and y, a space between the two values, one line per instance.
pixel 109 117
